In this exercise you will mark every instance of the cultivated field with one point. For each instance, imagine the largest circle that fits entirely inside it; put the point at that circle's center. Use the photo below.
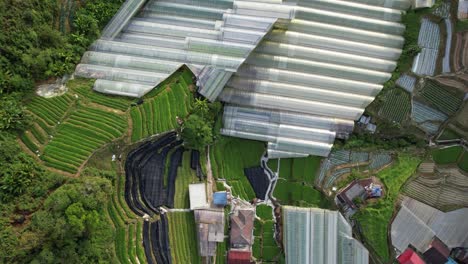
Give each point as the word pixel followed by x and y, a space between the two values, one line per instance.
pixel 442 99
pixel 396 106
pixel 229 156
pixel 265 248
pixel 161 107
pixel 183 238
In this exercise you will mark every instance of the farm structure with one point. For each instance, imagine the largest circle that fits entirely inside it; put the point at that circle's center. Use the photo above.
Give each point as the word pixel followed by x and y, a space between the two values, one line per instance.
pixel 305 70
pixel 417 224
pixel 429 40
pixel 210 230
pixel 313 235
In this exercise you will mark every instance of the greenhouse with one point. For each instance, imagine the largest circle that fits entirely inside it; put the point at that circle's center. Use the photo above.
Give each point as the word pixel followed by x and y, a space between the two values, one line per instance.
pixel 313 235
pixel 306 68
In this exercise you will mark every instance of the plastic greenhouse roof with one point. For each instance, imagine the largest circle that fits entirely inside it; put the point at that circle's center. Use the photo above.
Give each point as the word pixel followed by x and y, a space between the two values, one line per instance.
pixel 314 64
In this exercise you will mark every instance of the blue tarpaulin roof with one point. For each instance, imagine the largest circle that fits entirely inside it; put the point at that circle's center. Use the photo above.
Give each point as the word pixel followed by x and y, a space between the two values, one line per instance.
pixel 220 198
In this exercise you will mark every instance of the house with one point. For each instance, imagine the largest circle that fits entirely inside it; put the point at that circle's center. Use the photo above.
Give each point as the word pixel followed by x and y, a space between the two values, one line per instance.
pixel 417 4
pixel 437 252
pixel 409 256
pixel 210 230
pixel 242 223
pixel 462 9
pixel 197 196
pixel 239 257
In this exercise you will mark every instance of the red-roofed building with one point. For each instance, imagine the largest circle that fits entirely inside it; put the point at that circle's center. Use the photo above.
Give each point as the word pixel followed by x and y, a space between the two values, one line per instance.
pixel 239 257
pixel 410 257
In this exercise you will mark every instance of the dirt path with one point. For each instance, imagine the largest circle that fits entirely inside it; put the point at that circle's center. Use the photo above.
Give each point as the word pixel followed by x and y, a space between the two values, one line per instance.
pixel 209 176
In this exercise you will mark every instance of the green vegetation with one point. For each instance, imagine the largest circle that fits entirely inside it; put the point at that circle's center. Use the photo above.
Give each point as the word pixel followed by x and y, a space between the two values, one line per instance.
pixel 442 99
pixel 375 218
pixel 449 134
pixel 447 155
pixel 183 237
pixel 463 162
pixel 198 130
pixel 83 132
pixel 296 182
pixel 462 25
pixel 265 248
pixel 162 106
pixel 229 156
pixel 84 88
pixel 396 105
pixel 265 212
pixel 185 176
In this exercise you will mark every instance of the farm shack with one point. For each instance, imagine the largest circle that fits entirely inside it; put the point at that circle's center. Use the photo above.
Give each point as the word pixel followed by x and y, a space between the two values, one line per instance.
pixel 210 230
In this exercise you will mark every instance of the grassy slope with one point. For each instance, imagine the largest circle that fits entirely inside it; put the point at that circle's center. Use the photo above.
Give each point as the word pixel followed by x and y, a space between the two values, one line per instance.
pixel 185 176
pixel 447 155
pixel 375 218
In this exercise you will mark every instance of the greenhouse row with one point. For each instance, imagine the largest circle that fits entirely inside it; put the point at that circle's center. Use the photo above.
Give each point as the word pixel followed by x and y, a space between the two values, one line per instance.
pixel 313 235
pixel 315 64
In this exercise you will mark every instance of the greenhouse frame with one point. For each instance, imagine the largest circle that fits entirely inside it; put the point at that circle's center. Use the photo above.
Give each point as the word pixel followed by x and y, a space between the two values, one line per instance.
pixel 306 68
pixel 314 235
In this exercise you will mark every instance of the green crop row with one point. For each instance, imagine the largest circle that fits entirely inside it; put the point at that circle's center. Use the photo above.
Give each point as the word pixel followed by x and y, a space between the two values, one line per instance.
pixel 43 125
pixel 25 138
pixel 182 238
pixel 115 122
pixel 442 99
pixel 137 132
pixel 139 243
pixel 39 135
pixel 396 106
pixel 64 166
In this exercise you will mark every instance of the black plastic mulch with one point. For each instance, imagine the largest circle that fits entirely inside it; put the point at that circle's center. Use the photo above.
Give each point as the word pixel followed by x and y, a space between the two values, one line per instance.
pixel 259 181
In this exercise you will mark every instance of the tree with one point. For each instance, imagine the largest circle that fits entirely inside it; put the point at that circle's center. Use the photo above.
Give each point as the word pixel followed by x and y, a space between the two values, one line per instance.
pixel 12 114
pixel 197 132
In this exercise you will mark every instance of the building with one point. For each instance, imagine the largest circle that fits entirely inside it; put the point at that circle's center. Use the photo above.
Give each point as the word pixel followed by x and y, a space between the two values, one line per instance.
pixel 242 224
pixel 239 257
pixel 220 199
pixel 197 196
pixel 438 252
pixel 409 256
pixel 417 224
pixel 462 9
pixel 313 235
pixel 294 74
pixel 210 230
pixel 417 4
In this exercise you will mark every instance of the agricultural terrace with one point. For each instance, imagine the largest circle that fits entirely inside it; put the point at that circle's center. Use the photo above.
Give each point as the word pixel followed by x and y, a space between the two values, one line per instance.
pixel 396 105
pixel 67 129
pixel 295 185
pixel 229 156
pixel 265 248
pixel 185 176
pixel 451 155
pixel 446 101
pixel 183 238
pixel 158 113
pixel 83 88
pixel 374 218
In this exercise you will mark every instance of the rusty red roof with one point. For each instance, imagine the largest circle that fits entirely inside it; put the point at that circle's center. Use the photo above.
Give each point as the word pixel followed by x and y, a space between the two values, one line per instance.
pixel 410 257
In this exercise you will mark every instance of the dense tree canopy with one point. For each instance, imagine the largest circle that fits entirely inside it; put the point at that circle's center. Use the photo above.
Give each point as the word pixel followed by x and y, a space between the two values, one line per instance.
pixel 198 130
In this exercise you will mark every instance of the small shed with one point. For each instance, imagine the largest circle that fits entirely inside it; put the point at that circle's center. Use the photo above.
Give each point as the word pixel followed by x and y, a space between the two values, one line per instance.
pixel 197 194
pixel 239 257
pixel 220 198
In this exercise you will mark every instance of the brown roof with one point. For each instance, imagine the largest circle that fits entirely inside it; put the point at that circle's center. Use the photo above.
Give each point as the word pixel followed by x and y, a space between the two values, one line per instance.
pixel 438 252
pixel 242 222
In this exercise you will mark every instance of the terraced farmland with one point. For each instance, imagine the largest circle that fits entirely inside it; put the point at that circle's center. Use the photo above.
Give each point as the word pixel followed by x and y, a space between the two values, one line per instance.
pixel 442 99
pixel 182 237
pixel 83 132
pixel 229 156
pixel 447 155
pixel 396 106
pixel 51 110
pixel 162 106
pixel 84 89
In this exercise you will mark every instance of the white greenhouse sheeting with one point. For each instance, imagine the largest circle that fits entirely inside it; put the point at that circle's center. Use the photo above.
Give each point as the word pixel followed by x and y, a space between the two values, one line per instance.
pixel 429 37
pixel 417 223
pixel 315 64
pixel 313 235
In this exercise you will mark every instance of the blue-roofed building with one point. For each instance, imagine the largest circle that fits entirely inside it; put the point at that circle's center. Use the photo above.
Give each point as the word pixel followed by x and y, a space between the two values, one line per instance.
pixel 220 198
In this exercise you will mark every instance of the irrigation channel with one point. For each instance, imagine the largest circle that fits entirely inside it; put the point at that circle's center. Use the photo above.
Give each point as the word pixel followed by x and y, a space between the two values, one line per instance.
pixel 149 186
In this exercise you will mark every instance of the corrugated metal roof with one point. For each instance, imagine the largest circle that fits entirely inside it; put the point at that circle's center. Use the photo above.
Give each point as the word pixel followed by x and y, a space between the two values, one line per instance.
pixel 197 194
